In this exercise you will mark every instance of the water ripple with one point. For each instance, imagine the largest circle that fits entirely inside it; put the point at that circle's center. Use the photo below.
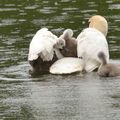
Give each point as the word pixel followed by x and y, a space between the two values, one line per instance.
pixel 114 6
pixel 8 9
pixel 6 22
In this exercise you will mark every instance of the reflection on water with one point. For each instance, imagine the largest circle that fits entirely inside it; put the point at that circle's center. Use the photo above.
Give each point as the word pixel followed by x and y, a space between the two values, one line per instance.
pixel 50 97
pixel 61 97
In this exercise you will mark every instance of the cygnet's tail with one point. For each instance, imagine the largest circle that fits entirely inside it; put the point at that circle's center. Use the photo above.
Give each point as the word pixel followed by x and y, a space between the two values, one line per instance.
pixel 102 57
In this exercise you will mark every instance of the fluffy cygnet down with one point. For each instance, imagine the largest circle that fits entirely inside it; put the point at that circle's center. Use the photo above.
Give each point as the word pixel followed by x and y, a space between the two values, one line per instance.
pixel 70 49
pixel 107 69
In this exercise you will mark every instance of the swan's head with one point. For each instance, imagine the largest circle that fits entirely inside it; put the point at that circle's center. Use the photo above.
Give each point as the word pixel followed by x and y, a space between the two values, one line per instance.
pixel 68 33
pixel 60 44
pixel 100 23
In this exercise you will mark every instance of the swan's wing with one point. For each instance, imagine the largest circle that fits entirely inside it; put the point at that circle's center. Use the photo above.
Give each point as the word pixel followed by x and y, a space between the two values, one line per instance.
pixel 89 43
pixel 67 65
pixel 42 45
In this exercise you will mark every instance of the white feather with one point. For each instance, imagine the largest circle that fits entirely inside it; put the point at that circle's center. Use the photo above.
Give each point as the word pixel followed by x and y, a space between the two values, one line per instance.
pixel 42 45
pixel 89 43
pixel 67 65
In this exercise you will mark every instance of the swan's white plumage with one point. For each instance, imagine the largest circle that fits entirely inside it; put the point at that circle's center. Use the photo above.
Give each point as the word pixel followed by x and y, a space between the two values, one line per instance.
pixel 67 65
pixel 42 45
pixel 89 43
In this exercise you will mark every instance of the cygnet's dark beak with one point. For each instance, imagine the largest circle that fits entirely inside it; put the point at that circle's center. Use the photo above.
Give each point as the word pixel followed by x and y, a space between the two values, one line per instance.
pixel 65 49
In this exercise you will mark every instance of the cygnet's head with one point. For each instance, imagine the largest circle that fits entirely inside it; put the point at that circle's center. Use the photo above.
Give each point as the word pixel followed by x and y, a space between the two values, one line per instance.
pixel 60 44
pixel 68 33
pixel 100 23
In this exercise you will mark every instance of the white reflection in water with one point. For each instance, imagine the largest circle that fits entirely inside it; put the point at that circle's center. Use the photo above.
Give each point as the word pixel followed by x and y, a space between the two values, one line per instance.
pixel 74 99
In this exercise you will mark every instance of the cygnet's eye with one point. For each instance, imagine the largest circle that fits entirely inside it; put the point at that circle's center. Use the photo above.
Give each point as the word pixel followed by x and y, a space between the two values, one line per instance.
pixel 81 57
pixel 61 44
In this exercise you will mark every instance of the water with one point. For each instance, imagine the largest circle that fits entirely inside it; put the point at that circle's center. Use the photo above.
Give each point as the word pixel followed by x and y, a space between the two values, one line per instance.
pixel 54 97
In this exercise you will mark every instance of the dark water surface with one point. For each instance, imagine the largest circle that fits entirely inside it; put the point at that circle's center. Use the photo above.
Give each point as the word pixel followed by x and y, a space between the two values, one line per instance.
pixel 54 97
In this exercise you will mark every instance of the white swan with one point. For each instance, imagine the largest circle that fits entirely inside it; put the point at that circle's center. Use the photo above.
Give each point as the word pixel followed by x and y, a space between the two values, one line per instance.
pixel 91 41
pixel 42 50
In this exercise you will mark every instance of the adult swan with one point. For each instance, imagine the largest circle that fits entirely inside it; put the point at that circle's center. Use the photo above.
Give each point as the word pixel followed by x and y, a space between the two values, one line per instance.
pixel 91 41
pixel 44 51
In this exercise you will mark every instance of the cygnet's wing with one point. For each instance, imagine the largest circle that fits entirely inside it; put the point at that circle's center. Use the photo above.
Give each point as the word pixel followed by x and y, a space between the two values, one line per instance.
pixel 42 45
pixel 89 43
pixel 67 65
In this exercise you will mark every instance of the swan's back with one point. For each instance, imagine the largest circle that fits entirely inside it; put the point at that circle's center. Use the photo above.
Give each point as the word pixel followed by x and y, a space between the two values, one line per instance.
pixel 89 43
pixel 42 45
